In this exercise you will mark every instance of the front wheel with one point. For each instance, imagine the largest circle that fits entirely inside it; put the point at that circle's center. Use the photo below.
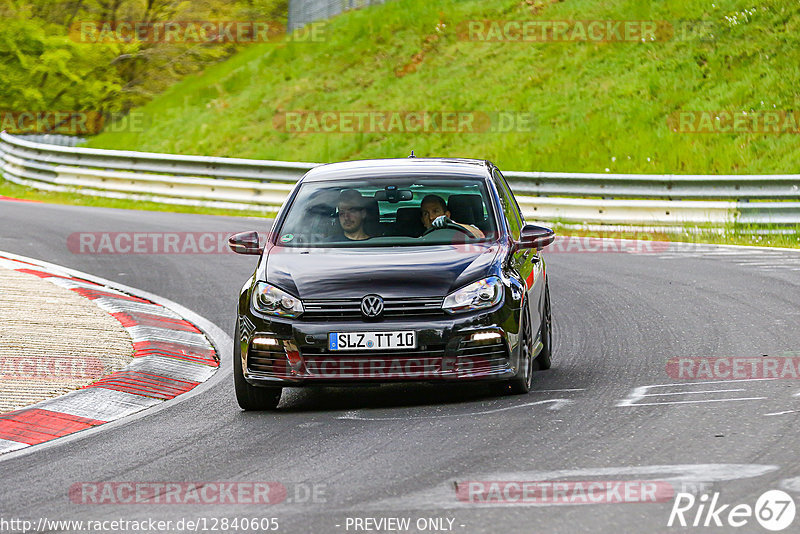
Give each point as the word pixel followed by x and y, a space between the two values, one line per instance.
pixel 249 397
pixel 521 383
pixel 547 333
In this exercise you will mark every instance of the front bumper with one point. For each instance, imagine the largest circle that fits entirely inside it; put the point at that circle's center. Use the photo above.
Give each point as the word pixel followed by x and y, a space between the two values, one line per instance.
pixel 296 353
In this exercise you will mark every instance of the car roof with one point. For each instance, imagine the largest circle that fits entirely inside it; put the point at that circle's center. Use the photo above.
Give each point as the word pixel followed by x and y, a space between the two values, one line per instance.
pixel 436 167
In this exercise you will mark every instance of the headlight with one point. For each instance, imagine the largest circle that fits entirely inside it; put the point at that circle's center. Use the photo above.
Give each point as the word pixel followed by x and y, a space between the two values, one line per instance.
pixel 481 294
pixel 273 301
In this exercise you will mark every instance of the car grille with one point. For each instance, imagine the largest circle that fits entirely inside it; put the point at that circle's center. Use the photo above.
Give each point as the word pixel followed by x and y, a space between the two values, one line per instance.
pixel 393 307
pixel 474 359
pixel 431 363
pixel 272 362
pixel 388 364
pixel 484 357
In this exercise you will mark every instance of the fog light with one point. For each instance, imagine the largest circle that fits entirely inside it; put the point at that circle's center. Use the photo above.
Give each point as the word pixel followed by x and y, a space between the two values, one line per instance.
pixel 483 336
pixel 265 341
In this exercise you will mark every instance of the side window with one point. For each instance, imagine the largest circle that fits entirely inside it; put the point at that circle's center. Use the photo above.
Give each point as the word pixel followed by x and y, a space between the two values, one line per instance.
pixel 509 205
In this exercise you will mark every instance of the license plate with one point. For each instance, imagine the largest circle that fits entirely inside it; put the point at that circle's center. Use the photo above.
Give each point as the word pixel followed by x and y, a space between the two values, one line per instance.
pixel 372 340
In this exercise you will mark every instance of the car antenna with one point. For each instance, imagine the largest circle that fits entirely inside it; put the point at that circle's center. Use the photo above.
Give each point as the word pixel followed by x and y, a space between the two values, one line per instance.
pixel 412 155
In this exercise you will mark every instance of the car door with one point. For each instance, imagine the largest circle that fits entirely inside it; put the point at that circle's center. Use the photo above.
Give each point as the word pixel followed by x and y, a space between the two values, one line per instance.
pixel 526 263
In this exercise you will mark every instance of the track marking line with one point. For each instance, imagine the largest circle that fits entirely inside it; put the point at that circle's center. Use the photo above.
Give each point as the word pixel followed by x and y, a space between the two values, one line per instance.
pixel 694 401
pixel 791 484
pixel 642 392
pixel 557 404
pixel 691 392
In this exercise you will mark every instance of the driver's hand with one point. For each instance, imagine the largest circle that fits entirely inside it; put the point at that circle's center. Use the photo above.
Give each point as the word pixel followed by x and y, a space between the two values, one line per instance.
pixel 441 221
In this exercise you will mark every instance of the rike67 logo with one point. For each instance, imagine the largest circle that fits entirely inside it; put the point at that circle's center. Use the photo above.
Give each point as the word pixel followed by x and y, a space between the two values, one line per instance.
pixel 774 510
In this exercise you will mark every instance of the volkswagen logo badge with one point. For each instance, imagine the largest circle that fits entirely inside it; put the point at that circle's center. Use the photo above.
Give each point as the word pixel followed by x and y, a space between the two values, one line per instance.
pixel 372 306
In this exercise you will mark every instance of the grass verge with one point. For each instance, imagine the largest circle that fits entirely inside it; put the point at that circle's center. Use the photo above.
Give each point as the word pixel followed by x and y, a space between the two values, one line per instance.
pixel 594 106
pixel 12 190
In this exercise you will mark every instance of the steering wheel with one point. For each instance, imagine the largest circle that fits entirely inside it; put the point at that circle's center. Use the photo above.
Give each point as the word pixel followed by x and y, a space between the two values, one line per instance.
pixel 450 226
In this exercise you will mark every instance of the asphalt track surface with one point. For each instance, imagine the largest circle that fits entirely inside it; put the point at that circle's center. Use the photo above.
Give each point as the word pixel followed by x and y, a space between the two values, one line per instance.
pixel 399 451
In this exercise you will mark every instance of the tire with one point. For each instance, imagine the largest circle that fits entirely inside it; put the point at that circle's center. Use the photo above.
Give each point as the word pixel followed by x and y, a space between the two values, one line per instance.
pixel 251 398
pixel 546 353
pixel 521 384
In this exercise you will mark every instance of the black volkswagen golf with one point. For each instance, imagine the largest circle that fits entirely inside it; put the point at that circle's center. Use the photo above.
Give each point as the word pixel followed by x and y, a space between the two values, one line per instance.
pixel 418 269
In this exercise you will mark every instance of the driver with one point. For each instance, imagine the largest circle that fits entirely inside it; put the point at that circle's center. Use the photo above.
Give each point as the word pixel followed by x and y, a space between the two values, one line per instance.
pixel 352 215
pixel 435 214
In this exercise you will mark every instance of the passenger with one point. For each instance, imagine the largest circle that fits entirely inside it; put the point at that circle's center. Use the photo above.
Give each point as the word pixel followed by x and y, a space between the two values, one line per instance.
pixel 352 215
pixel 434 210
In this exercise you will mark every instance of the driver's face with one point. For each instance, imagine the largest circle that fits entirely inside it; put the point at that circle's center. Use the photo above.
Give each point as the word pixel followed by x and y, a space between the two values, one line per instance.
pixel 351 217
pixel 431 210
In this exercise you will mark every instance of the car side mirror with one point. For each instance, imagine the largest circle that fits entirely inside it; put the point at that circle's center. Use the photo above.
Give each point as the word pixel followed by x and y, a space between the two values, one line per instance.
pixel 537 237
pixel 245 243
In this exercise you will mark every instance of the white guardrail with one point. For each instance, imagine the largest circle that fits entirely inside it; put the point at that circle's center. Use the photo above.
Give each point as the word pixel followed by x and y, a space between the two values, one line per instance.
pixel 232 183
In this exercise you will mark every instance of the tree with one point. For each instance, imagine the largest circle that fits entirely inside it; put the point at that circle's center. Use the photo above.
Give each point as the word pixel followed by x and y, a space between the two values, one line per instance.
pixel 46 63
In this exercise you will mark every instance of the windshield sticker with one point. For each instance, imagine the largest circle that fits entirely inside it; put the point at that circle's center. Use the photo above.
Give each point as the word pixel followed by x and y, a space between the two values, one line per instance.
pixel 286 238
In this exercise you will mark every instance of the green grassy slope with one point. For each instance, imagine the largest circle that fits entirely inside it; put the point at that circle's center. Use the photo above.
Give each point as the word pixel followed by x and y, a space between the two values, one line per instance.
pixel 597 105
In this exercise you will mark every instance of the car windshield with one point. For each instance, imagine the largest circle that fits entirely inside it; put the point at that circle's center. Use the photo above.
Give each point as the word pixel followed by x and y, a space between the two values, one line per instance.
pixel 380 212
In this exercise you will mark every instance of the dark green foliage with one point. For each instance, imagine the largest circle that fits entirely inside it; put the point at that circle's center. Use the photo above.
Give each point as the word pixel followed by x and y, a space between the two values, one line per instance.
pixel 46 63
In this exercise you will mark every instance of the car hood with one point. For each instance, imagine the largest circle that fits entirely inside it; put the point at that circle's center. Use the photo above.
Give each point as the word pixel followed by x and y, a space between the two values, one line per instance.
pixel 431 271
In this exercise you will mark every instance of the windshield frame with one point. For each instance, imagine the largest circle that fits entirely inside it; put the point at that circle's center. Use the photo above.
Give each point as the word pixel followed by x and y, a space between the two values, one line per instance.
pixel 485 182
